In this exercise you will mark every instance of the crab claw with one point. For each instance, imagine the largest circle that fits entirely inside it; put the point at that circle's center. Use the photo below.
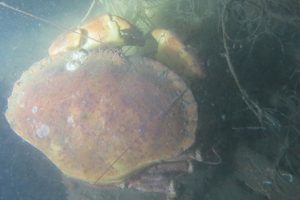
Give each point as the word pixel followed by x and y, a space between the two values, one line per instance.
pixel 128 32
pixel 66 42
pixel 101 31
pixel 173 53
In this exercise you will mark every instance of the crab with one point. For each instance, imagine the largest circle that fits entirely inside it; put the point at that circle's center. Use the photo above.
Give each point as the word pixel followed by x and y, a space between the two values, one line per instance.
pixel 108 119
pixel 113 31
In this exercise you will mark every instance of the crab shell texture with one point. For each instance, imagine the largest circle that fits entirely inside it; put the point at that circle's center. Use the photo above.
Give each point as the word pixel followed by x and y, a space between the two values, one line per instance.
pixel 108 119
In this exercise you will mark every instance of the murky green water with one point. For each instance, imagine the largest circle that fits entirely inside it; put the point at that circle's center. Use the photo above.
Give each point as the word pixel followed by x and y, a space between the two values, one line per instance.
pixel 250 52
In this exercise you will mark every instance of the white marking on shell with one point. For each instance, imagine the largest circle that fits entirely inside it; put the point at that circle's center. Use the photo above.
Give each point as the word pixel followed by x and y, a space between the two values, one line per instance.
pixel 72 66
pixel 34 109
pixel 80 56
pixel 70 120
pixel 76 59
pixel 42 131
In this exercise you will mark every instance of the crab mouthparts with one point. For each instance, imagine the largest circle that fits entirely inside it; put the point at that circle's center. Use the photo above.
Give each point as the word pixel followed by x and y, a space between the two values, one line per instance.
pixel 133 36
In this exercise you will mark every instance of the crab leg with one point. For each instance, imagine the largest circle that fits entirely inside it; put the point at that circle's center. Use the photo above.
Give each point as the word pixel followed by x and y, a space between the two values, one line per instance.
pixel 157 184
